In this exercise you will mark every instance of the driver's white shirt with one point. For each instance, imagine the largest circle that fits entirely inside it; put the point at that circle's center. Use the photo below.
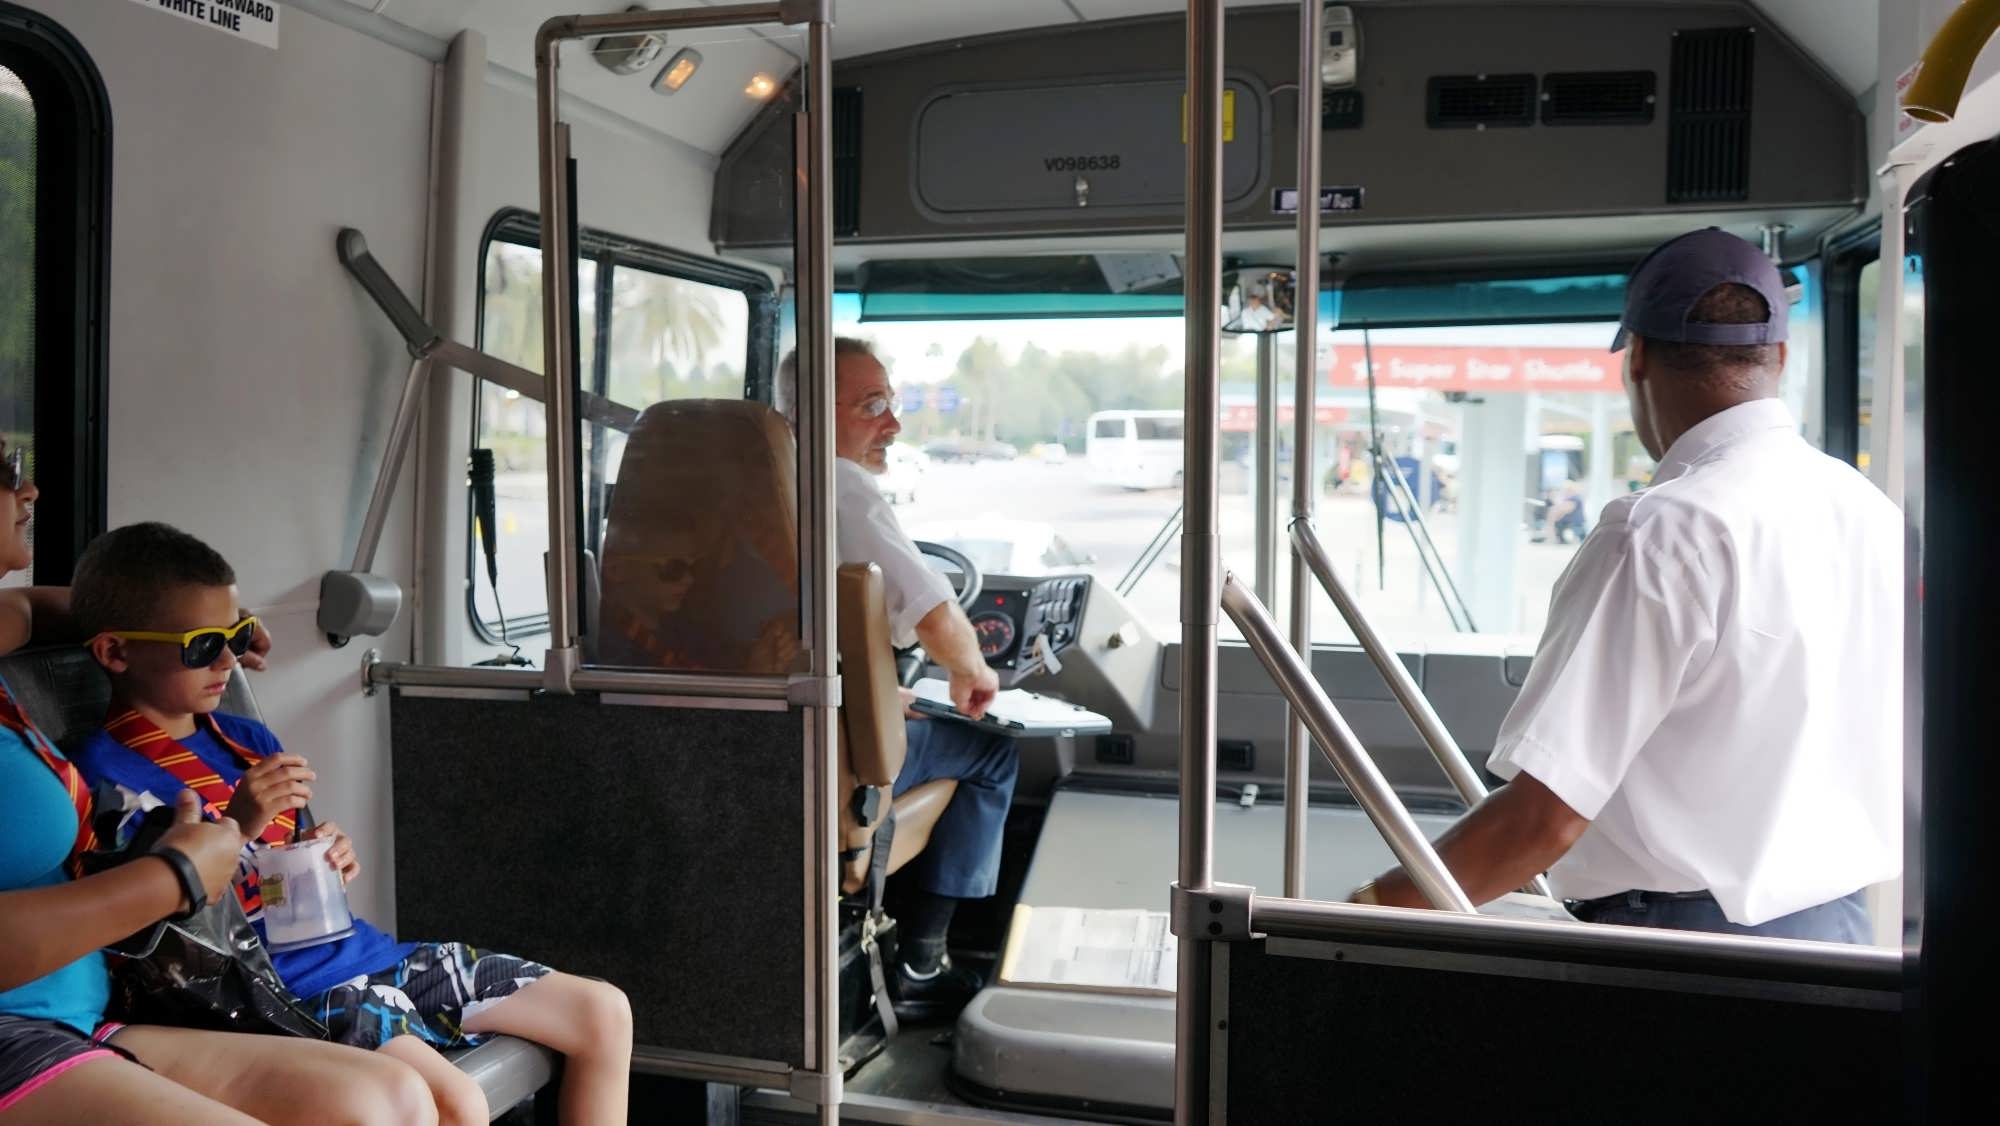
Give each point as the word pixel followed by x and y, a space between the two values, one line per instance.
pixel 868 532
pixel 1719 688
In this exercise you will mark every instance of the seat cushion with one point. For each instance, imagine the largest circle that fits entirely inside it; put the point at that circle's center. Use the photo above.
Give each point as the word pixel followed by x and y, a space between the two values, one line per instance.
pixel 508 1070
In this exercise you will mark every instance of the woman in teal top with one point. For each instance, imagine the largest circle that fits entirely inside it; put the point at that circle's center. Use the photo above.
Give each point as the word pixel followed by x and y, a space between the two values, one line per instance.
pixel 58 1062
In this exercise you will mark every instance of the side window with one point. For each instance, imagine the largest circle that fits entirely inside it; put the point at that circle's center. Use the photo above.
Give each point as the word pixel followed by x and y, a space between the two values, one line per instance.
pixel 1867 289
pixel 671 327
pixel 17 282
pixel 54 207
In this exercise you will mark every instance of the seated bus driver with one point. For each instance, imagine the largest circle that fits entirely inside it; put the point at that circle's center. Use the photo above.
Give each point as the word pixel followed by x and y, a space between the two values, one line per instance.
pixel 963 858
pixel 60 1062
pixel 1708 739
pixel 160 609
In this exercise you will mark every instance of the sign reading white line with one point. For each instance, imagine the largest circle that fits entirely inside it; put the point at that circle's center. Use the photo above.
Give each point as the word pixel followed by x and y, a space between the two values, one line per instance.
pixel 254 20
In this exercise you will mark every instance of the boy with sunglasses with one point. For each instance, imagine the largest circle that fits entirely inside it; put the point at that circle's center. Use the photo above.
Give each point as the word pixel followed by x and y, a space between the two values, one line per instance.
pixel 160 608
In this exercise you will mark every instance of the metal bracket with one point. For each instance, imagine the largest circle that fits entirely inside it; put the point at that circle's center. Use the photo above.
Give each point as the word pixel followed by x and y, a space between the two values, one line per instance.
pixel 1221 913
pixel 559 670
pixel 805 11
pixel 817 1088
pixel 805 690
pixel 368 662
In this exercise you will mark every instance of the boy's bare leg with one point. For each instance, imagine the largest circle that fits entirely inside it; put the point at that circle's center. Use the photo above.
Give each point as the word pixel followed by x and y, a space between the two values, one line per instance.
pixel 460 1102
pixel 590 1023
pixel 285 1079
pixel 117 1090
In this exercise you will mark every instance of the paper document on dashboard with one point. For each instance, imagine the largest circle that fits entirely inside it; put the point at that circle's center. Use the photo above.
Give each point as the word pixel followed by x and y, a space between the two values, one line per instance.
pixel 1128 951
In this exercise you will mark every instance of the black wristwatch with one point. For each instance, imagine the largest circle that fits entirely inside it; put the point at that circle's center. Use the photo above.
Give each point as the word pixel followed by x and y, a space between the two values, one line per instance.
pixel 188 875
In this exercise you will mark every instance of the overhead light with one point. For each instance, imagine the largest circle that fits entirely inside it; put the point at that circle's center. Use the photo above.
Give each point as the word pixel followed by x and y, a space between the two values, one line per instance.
pixel 678 70
pixel 761 87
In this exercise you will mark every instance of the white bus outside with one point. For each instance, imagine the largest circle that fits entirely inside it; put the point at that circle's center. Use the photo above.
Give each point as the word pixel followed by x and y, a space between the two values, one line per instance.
pixel 1132 449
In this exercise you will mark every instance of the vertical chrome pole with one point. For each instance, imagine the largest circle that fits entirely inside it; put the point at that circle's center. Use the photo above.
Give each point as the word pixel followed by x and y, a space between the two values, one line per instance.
pixel 1200 591
pixel 558 360
pixel 815 305
pixel 1298 746
pixel 1265 453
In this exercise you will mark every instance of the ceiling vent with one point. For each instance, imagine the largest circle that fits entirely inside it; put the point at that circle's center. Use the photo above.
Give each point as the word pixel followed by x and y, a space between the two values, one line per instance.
pixel 1599 97
pixel 1480 101
pixel 1708 116
pixel 846 161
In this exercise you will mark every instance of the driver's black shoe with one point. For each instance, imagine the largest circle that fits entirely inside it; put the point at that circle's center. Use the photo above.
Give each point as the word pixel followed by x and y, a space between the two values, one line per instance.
pixel 942 994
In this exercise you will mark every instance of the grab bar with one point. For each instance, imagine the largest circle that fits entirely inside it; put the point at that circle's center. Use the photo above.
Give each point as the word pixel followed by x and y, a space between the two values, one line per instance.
pixel 356 602
pixel 1342 749
pixel 1449 755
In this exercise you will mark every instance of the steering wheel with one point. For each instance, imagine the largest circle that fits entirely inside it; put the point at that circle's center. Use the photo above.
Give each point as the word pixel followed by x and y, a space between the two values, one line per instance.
pixel 971 581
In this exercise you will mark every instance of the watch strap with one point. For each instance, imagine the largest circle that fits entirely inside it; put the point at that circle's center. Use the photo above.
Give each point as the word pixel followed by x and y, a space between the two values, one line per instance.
pixel 189 877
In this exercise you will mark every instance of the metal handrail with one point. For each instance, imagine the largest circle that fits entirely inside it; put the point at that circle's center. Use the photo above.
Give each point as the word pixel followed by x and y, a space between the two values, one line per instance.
pixel 819 690
pixel 1445 749
pixel 1305 374
pixel 1343 750
pixel 1200 555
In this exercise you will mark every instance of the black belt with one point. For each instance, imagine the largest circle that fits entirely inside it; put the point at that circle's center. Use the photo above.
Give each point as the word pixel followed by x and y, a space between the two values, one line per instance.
pixel 1634 900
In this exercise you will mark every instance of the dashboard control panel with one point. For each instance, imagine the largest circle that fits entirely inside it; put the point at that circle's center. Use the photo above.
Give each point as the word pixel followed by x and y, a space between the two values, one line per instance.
pixel 1012 613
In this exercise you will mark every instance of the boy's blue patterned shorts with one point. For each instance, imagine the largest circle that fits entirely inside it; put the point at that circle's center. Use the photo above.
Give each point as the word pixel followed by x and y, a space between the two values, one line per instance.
pixel 428 995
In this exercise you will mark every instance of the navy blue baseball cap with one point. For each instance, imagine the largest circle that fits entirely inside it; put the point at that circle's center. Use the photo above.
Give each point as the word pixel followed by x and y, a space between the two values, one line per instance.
pixel 1668 282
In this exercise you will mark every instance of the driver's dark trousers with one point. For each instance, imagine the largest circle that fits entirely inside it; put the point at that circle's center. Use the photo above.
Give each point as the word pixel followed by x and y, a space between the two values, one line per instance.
pixel 963 858
pixel 1842 920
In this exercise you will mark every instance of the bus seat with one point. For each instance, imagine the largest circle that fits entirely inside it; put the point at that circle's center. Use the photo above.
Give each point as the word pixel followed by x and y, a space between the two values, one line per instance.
pixel 700 573
pixel 872 735
pixel 701 568
pixel 64 692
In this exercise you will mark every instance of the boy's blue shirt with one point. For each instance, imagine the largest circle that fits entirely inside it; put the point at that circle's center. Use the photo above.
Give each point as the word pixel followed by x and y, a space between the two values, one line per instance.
pixel 308 972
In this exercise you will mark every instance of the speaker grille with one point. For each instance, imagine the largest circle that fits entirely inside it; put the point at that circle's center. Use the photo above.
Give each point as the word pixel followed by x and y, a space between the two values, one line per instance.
pixel 1471 101
pixel 1708 119
pixel 846 161
pixel 1604 97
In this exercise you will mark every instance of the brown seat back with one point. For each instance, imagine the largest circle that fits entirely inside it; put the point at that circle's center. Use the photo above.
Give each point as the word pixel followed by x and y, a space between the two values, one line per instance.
pixel 700 572
pixel 700 568
pixel 871 710
pixel 872 742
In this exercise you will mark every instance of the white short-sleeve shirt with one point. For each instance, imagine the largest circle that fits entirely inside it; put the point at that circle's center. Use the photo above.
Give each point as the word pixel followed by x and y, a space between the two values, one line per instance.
pixel 868 532
pixel 1719 687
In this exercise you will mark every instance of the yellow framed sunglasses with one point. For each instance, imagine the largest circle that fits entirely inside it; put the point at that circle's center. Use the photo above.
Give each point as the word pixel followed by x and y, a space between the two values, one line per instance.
pixel 199 647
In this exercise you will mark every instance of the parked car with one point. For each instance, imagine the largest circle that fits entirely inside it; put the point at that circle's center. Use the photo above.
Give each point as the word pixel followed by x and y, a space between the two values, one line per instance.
pixel 969 450
pixel 905 473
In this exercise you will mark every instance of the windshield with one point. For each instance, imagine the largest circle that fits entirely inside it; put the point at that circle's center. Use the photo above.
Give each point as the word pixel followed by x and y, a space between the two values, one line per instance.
pixel 1055 445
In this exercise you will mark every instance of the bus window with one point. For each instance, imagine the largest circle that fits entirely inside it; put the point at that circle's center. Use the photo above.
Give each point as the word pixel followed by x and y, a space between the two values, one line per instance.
pixel 1512 438
pixel 1011 424
pixel 666 336
pixel 1867 288
pixel 55 156
pixel 17 282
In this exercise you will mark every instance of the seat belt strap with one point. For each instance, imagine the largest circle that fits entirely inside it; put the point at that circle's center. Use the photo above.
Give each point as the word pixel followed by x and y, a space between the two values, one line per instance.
pixel 878 879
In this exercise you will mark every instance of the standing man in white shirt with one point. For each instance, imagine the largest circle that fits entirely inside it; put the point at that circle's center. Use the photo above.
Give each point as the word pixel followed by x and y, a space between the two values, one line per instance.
pixel 1711 735
pixel 962 860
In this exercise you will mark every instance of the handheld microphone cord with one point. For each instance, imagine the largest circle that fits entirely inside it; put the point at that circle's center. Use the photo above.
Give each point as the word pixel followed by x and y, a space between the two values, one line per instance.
pixel 483 505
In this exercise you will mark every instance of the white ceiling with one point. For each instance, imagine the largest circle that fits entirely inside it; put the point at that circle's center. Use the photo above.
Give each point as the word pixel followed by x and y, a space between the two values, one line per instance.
pixel 1841 34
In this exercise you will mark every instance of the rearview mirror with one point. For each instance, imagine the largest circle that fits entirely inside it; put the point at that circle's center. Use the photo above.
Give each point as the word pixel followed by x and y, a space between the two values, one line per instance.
pixel 1260 300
